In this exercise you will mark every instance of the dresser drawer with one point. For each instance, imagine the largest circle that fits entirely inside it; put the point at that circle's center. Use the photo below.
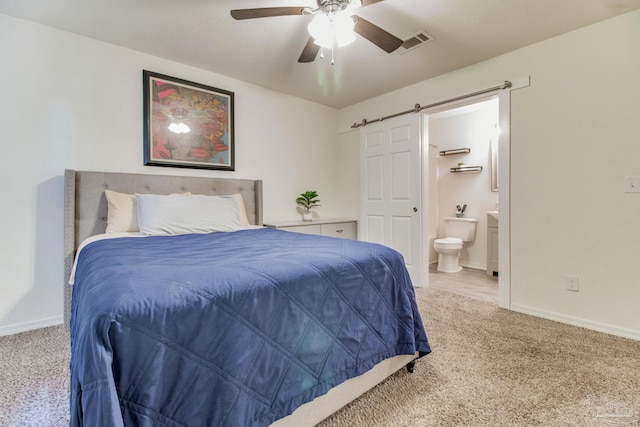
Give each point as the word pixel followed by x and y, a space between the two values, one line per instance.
pixel 306 229
pixel 346 230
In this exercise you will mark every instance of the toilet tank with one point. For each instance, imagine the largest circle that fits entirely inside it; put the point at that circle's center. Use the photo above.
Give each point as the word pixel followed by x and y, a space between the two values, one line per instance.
pixel 462 228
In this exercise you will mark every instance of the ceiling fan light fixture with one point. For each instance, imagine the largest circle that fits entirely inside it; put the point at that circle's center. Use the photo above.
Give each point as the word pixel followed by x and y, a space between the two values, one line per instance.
pixel 329 29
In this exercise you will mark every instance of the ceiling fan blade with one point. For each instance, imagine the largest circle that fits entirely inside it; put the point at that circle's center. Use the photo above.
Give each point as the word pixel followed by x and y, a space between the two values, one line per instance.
pixel 309 52
pixel 376 35
pixel 266 12
pixel 368 2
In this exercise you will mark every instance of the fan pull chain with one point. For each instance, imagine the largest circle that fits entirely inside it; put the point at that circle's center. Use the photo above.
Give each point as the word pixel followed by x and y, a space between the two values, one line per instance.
pixel 332 53
pixel 333 42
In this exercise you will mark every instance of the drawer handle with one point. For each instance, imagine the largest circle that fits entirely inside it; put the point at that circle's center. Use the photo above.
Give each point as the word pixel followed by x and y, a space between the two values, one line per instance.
pixel 339 231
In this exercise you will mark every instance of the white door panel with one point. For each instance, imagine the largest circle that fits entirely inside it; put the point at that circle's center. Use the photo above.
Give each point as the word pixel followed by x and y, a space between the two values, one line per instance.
pixel 374 168
pixel 401 176
pixel 375 225
pixel 390 165
pixel 374 140
pixel 401 237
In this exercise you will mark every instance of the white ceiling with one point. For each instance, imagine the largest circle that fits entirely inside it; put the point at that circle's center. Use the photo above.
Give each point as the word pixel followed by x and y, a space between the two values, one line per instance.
pixel 265 51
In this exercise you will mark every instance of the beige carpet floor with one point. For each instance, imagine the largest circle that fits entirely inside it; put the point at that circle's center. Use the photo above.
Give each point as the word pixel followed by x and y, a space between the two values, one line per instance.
pixel 494 367
pixel 489 367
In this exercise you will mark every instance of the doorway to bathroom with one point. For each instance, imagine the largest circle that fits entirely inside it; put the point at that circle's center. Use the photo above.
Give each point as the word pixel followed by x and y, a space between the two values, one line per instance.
pixel 466 146
pixel 388 176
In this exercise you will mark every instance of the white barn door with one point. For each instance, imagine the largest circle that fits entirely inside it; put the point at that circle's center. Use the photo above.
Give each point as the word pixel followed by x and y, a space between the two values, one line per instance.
pixel 390 188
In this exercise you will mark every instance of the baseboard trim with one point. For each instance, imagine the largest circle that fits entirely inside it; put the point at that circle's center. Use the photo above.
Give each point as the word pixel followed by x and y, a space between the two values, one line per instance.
pixel 29 326
pixel 474 265
pixel 576 321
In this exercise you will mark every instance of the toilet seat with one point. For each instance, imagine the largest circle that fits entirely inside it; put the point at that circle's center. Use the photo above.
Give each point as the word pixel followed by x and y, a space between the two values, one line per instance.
pixel 449 241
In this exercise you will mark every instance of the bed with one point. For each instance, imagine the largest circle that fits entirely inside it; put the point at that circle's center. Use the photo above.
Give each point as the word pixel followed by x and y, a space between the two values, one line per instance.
pixel 251 327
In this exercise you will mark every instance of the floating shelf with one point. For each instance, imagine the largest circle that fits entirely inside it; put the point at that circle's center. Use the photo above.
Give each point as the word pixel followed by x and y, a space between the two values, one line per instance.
pixel 455 151
pixel 463 169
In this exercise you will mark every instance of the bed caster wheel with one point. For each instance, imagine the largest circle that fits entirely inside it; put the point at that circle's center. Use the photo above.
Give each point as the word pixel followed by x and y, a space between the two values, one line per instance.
pixel 410 366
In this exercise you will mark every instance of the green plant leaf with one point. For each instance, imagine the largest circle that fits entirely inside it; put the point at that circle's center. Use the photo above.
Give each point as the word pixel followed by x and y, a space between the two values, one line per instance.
pixel 308 199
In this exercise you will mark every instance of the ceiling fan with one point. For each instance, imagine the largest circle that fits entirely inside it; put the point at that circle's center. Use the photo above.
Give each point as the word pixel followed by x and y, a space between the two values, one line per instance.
pixel 329 9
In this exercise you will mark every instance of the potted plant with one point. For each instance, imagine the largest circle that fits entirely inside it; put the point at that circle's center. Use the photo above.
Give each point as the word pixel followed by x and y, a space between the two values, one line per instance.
pixel 308 200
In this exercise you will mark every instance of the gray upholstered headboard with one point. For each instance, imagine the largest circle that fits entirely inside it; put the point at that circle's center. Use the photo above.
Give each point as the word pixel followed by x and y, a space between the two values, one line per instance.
pixel 85 206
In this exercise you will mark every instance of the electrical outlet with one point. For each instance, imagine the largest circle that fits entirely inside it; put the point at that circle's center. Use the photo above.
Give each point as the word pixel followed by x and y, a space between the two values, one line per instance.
pixel 572 283
pixel 632 184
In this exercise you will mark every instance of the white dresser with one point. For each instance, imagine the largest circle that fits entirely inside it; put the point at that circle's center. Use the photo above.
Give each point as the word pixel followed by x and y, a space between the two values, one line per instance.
pixel 345 228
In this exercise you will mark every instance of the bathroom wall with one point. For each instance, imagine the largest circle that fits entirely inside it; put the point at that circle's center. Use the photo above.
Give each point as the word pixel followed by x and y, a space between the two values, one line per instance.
pixel 472 126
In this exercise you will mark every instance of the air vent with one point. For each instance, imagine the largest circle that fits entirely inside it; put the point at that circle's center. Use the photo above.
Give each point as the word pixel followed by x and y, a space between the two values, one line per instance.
pixel 414 41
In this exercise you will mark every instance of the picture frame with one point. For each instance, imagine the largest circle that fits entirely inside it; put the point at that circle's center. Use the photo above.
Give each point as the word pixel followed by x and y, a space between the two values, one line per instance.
pixel 187 124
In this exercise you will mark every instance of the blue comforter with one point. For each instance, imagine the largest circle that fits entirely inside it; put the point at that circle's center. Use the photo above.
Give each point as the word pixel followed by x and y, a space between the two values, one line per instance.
pixel 230 329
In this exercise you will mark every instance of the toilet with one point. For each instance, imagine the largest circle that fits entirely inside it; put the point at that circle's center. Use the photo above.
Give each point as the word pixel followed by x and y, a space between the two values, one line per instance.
pixel 457 231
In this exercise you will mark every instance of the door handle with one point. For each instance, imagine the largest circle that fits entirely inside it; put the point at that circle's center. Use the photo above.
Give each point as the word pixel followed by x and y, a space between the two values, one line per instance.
pixel 415 209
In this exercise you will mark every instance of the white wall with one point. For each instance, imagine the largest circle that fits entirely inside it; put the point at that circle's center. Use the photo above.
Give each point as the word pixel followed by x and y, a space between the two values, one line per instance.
pixel 574 137
pixel 73 102
pixel 470 127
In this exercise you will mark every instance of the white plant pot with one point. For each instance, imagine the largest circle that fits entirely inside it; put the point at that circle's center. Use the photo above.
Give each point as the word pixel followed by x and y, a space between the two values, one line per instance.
pixel 307 216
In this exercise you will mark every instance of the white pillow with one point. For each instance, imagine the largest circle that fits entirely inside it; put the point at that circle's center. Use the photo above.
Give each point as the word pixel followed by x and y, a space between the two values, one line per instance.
pixel 121 212
pixel 244 221
pixel 159 215
pixel 122 216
